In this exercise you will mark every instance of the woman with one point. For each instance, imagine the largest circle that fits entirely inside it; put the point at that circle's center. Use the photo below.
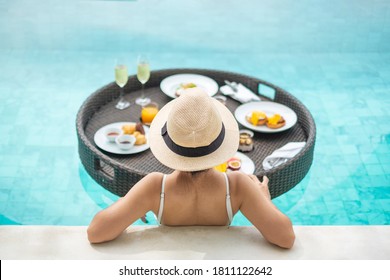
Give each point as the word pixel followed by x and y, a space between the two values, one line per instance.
pixel 191 135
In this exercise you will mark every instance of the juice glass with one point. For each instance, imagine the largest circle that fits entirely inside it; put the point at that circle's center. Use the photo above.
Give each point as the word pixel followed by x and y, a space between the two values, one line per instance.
pixel 148 112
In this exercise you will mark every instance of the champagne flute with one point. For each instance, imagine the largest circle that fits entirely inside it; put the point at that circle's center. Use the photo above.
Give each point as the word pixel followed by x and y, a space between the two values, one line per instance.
pixel 121 78
pixel 143 75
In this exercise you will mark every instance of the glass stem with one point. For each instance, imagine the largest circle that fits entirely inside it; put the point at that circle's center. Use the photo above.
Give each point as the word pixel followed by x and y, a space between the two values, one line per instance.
pixel 143 91
pixel 122 93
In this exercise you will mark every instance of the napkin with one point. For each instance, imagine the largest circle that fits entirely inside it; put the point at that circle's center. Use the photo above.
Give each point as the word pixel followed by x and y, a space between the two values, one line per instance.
pixel 242 95
pixel 282 154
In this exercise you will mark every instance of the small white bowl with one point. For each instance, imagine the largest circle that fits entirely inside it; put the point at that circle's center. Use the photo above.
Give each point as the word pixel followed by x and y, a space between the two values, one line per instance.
pixel 112 133
pixel 246 131
pixel 125 141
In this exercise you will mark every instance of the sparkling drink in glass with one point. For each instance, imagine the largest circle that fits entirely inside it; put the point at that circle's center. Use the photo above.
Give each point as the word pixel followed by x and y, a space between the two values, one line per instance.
pixel 143 75
pixel 121 78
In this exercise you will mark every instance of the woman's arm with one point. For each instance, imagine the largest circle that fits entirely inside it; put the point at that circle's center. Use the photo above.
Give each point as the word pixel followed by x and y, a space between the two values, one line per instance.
pixel 112 221
pixel 263 214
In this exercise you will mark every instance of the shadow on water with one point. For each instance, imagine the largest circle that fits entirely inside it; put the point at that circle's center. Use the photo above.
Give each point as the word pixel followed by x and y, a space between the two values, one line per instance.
pixel 6 221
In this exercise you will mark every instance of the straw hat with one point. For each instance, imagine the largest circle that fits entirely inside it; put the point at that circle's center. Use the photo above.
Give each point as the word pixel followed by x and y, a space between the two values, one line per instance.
pixel 193 132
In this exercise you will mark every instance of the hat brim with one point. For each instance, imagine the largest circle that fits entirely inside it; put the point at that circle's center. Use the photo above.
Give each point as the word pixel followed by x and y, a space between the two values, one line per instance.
pixel 172 160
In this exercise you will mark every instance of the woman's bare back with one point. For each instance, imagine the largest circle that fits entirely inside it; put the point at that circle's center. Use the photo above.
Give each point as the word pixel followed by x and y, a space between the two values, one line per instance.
pixel 198 199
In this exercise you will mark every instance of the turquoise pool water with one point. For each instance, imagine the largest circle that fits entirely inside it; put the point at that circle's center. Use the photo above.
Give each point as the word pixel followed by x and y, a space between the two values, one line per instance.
pixel 334 56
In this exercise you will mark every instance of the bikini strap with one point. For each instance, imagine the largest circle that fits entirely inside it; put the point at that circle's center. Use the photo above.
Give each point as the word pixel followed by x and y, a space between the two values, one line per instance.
pixel 162 195
pixel 228 200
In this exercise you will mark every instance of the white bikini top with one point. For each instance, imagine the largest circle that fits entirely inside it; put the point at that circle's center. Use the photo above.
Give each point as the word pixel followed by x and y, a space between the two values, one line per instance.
pixel 228 201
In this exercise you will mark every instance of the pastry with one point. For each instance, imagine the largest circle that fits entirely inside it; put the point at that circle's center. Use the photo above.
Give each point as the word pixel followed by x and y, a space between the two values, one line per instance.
pixel 140 139
pixel 128 128
pixel 257 118
pixel 276 121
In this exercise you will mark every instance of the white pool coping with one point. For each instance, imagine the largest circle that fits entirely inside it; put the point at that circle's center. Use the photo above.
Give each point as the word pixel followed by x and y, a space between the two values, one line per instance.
pixel 184 243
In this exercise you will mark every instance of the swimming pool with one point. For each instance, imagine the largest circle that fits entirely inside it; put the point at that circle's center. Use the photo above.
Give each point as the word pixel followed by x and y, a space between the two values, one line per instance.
pixel 335 57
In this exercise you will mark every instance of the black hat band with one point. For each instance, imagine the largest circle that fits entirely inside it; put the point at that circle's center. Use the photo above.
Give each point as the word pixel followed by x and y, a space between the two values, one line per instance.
pixel 192 152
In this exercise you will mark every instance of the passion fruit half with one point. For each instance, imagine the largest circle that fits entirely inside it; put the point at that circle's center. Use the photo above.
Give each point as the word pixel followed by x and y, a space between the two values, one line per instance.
pixel 234 164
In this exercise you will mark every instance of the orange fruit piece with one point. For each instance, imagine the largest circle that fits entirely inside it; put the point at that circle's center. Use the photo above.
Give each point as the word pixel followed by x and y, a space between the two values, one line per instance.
pixel 222 167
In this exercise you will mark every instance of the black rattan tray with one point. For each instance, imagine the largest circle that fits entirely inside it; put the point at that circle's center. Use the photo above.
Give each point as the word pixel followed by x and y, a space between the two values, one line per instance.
pixel 118 173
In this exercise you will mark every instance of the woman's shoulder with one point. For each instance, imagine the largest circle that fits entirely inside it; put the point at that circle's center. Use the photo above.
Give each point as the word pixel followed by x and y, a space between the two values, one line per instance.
pixel 239 182
pixel 150 183
pixel 238 178
pixel 242 183
pixel 154 176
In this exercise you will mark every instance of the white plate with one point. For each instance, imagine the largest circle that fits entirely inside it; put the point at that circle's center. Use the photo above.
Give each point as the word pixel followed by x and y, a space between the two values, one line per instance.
pixel 269 108
pixel 170 84
pixel 247 165
pixel 103 143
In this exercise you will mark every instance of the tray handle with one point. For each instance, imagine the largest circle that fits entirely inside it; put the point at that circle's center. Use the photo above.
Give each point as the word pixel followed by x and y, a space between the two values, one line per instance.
pixel 266 91
pixel 103 170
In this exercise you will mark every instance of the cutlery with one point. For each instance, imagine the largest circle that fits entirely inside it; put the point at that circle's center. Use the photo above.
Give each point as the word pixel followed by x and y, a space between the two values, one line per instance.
pixel 232 85
pixel 278 162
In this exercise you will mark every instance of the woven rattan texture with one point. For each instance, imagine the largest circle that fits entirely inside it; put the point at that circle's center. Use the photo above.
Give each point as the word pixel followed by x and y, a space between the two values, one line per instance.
pixel 118 173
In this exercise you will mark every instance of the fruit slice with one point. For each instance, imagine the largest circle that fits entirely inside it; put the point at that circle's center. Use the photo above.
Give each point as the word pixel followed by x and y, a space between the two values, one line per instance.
pixel 222 167
pixel 188 85
pixel 234 164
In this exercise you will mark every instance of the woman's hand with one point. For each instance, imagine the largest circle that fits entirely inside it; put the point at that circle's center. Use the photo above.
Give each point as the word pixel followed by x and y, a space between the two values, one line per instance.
pixel 262 185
